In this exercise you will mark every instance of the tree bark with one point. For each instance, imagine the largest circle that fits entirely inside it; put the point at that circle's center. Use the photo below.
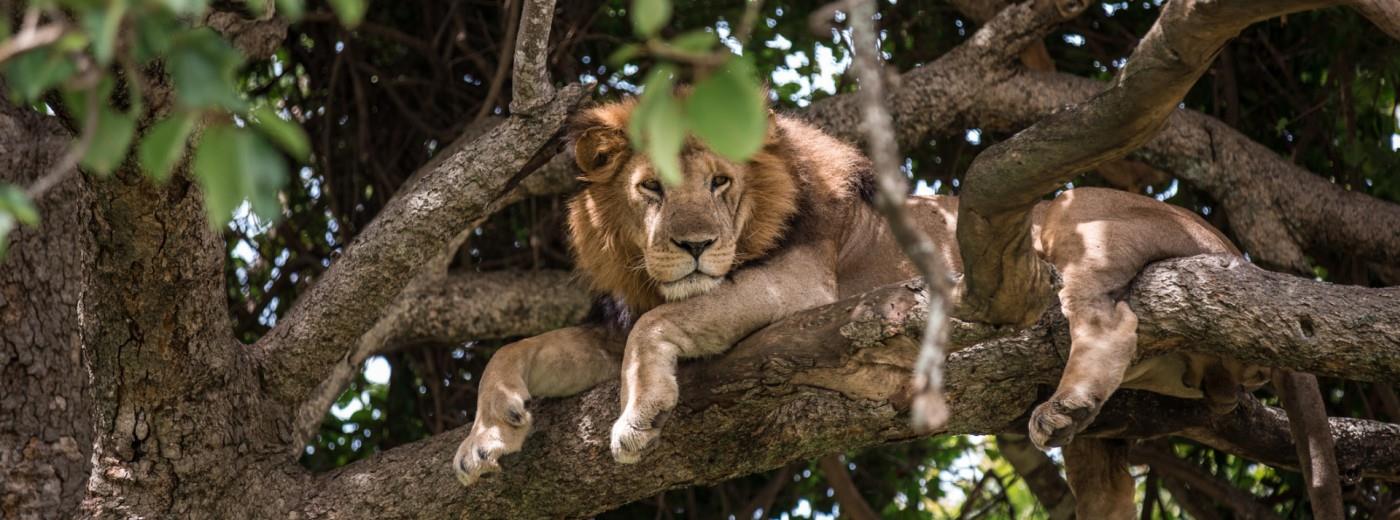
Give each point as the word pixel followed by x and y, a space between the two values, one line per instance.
pixel 45 408
pixel 835 379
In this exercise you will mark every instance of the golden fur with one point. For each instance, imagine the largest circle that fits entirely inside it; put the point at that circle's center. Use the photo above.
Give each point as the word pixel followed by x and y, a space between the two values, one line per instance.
pixel 603 219
pixel 734 247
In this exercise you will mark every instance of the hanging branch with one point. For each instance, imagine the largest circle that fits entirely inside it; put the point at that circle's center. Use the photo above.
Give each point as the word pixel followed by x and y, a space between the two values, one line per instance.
pixel 930 409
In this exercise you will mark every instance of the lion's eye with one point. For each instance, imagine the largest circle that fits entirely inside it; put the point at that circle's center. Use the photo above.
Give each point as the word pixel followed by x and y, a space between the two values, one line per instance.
pixel 718 182
pixel 651 185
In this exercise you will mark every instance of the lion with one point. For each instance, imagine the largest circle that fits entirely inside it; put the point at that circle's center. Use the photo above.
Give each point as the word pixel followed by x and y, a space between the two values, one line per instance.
pixel 688 270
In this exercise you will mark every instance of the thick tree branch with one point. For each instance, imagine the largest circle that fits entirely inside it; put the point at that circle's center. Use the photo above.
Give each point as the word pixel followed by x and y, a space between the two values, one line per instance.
pixel 495 305
pixel 1384 13
pixel 530 81
pixel 1276 209
pixel 1005 281
pixel 1333 330
pixel 835 379
pixel 458 187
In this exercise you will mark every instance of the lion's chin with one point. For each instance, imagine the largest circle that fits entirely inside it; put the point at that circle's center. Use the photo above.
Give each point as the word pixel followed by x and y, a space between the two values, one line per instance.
pixel 694 284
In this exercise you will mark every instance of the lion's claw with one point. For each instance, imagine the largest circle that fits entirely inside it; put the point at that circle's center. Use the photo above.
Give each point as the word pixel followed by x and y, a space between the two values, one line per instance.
pixel 494 434
pixel 1054 422
pixel 630 442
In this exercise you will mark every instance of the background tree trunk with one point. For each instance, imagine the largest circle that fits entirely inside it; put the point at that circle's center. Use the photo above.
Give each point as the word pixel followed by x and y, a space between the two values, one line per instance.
pixel 45 405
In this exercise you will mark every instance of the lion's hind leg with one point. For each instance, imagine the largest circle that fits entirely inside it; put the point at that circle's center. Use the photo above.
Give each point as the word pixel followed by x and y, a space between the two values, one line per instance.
pixel 1097 470
pixel 1103 339
pixel 555 364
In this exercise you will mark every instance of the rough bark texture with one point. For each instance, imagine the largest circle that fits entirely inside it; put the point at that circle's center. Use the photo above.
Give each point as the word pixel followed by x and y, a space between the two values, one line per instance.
pixel 175 416
pixel 1280 320
pixel 45 410
pixel 835 379
pixel 495 305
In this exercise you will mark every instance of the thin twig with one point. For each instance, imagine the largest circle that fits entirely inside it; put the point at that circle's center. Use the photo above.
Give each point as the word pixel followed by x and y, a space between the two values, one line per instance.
pixel 930 411
pixel 503 62
pixel 31 36
pixel 747 23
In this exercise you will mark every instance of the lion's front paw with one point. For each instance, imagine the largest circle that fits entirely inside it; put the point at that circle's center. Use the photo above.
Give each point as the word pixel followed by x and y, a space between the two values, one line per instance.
pixel 490 439
pixel 1054 422
pixel 634 434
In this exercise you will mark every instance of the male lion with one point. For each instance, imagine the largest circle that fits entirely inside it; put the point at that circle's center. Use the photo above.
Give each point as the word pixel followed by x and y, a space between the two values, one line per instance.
pixel 735 247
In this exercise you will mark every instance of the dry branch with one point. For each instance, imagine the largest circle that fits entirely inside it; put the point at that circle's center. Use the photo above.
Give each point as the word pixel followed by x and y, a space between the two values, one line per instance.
pixel 835 379
pixel 930 410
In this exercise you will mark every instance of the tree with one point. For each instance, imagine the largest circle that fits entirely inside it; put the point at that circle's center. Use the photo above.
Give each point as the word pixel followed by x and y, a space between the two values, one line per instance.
pixel 155 365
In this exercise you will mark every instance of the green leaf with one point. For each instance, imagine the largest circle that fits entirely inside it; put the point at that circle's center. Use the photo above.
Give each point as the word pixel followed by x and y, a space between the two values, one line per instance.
pixel 350 11
pixel 661 79
pixel 658 126
pixel 695 42
pixel 186 6
pixel 291 9
pixel 624 54
pixel 103 24
pixel 164 144
pixel 235 164
pixel 7 223
pixel 15 203
pixel 728 112
pixel 648 16
pixel 108 146
pixel 34 72
pixel 258 8
pixel 204 68
pixel 154 31
pixel 285 134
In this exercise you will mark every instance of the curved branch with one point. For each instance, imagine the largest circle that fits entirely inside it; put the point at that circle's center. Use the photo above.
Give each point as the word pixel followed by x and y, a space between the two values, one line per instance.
pixel 1005 281
pixel 461 185
pixel 836 379
pixel 1384 13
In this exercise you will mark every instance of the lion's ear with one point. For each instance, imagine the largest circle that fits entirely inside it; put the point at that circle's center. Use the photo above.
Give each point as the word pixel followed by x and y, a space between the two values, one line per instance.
pixel 599 139
pixel 596 150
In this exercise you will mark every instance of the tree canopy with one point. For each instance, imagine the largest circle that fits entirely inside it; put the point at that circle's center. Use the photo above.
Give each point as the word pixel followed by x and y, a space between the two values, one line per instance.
pixel 301 128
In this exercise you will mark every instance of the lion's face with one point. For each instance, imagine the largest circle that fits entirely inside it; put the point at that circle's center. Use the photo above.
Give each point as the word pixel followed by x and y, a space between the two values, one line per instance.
pixel 650 241
pixel 686 232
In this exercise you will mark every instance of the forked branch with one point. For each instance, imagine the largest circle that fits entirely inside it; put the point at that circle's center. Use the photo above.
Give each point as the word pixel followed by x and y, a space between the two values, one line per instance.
pixel 1005 281
pixel 461 185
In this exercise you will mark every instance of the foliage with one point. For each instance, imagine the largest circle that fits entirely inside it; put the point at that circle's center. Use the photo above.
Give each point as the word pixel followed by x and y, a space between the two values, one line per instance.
pixel 359 95
pixel 88 60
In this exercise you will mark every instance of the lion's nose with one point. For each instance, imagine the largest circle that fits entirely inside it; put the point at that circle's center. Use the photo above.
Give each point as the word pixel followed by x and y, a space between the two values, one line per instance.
pixel 695 248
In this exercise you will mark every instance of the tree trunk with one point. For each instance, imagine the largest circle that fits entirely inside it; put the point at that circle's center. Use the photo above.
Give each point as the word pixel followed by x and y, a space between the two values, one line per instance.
pixel 45 405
